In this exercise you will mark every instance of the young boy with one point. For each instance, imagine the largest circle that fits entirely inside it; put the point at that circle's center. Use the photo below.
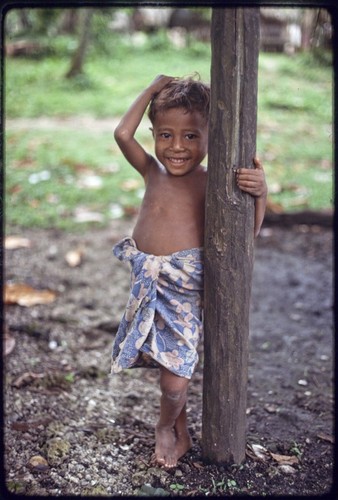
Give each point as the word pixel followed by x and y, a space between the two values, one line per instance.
pixel 162 323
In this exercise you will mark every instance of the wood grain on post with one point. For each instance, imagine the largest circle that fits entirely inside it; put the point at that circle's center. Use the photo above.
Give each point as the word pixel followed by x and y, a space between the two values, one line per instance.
pixel 229 232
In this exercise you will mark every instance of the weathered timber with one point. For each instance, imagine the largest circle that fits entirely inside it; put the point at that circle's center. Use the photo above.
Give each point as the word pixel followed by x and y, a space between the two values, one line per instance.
pixel 229 232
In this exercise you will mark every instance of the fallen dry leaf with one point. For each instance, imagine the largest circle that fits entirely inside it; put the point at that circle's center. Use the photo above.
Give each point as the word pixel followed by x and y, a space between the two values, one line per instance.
pixel 34 203
pixel 26 296
pixel 274 208
pixel 259 451
pixel 325 437
pixel 129 210
pixel 284 459
pixel 27 378
pixel 130 184
pixel 82 214
pixel 26 426
pixel 287 469
pixel 90 181
pixel 74 257
pixel 14 242
pixel 9 343
pixel 271 408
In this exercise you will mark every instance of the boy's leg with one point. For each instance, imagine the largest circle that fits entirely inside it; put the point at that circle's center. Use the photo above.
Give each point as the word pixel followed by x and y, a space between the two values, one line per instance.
pixel 183 438
pixel 173 399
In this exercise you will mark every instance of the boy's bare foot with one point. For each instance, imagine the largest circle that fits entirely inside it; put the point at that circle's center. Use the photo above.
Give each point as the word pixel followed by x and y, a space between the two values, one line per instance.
pixel 166 455
pixel 165 451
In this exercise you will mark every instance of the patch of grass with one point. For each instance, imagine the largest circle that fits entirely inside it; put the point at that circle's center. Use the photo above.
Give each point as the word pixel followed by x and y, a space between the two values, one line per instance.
pixel 109 84
pixel 294 137
pixel 51 175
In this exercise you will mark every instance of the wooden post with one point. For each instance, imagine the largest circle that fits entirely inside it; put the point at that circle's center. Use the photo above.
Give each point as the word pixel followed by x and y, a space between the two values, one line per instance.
pixel 229 232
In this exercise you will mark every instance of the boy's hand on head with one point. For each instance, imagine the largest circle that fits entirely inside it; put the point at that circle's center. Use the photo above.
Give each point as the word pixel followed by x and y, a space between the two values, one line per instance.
pixel 160 82
pixel 252 180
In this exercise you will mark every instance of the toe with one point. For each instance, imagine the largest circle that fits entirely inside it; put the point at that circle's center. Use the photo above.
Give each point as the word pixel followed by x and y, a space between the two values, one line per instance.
pixel 171 462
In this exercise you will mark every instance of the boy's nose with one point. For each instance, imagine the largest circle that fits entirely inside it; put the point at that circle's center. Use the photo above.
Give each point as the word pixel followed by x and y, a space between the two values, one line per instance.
pixel 177 144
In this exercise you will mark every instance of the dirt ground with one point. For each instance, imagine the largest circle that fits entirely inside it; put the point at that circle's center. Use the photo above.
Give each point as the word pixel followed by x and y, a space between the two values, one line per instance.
pixel 72 429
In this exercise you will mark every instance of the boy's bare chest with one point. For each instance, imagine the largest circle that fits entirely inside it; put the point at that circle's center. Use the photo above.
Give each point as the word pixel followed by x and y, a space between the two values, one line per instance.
pixel 171 217
pixel 173 193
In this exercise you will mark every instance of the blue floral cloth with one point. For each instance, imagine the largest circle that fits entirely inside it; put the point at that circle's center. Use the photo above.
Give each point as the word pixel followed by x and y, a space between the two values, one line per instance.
pixel 162 323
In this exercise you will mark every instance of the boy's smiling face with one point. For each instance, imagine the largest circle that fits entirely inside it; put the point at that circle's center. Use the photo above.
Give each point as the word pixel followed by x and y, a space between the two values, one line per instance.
pixel 181 140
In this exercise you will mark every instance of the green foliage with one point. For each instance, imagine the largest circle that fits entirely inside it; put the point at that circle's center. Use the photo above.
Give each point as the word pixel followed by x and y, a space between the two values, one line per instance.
pixel 70 378
pixel 177 487
pixel 108 85
pixel 219 487
pixel 295 130
pixel 295 449
pixel 30 23
pixel 48 175
pixel 294 126
pixel 16 487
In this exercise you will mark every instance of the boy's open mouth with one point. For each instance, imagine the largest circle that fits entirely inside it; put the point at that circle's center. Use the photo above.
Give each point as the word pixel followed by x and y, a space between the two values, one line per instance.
pixel 178 161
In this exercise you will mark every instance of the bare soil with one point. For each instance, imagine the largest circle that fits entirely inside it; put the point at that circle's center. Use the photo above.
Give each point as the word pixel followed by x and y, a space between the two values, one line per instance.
pixel 93 434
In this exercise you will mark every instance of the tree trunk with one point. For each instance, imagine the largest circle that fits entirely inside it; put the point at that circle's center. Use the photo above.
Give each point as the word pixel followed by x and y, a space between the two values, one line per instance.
pixel 229 232
pixel 68 21
pixel 308 28
pixel 76 66
pixel 24 19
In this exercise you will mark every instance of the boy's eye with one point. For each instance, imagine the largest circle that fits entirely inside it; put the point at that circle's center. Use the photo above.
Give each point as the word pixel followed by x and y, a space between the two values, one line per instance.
pixel 191 136
pixel 165 135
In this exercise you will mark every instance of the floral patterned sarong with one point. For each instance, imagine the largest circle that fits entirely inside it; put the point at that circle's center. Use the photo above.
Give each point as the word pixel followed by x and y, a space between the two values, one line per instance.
pixel 163 318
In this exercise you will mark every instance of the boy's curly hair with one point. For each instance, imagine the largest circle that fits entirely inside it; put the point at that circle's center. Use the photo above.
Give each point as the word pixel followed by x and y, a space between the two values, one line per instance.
pixel 186 93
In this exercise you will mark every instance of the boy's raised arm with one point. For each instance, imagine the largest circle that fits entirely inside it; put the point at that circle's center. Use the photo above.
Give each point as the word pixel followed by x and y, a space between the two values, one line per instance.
pixel 125 131
pixel 260 204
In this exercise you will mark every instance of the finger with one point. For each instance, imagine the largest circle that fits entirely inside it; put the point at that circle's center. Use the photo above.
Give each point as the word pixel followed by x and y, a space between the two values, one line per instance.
pixel 257 163
pixel 251 175
pixel 246 172
pixel 248 184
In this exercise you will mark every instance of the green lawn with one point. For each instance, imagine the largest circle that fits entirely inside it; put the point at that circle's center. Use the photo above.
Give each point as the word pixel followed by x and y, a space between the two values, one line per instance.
pixel 295 130
pixel 83 169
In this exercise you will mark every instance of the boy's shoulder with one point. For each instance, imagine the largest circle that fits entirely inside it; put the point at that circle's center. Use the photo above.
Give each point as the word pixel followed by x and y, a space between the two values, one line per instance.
pixel 201 171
